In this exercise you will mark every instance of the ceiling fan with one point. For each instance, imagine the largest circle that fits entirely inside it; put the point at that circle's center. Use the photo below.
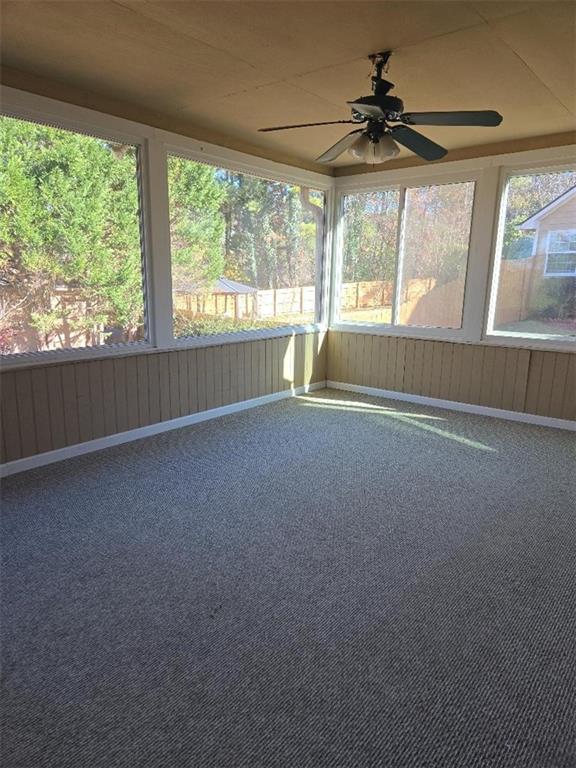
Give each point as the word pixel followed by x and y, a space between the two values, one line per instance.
pixel 377 141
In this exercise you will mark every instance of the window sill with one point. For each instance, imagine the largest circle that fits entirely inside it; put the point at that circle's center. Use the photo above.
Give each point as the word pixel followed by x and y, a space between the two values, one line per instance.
pixel 60 356
pixel 432 334
pixel 543 343
pixel 192 342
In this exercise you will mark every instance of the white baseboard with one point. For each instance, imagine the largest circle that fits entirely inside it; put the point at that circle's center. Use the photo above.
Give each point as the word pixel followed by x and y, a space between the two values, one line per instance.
pixel 50 457
pixel 452 405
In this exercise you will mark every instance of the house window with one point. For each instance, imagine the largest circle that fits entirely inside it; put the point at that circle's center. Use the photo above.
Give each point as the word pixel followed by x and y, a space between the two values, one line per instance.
pixel 537 241
pixel 246 251
pixel 70 253
pixel 405 255
pixel 561 253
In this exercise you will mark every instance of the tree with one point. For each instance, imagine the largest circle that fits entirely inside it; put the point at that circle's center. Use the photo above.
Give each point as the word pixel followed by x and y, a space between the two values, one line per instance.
pixel 196 223
pixel 370 225
pixel 69 236
pixel 70 250
pixel 271 231
pixel 437 231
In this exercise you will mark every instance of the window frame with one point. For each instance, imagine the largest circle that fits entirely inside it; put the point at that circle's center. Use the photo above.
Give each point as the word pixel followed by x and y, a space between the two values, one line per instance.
pixel 153 146
pixel 492 173
pixel 556 253
pixel 419 177
pixel 260 170
pixel 550 160
pixel 106 130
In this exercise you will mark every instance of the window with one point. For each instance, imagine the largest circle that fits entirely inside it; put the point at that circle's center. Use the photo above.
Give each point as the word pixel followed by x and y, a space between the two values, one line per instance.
pixel 537 242
pixel 370 232
pixel 412 277
pixel 561 253
pixel 246 251
pixel 70 252
pixel 434 254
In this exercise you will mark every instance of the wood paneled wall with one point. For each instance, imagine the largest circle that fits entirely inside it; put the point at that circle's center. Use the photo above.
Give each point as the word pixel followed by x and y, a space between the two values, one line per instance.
pixel 542 383
pixel 56 405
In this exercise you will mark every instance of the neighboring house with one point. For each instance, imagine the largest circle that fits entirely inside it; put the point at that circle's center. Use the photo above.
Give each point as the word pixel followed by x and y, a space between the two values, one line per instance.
pixel 541 285
pixel 554 246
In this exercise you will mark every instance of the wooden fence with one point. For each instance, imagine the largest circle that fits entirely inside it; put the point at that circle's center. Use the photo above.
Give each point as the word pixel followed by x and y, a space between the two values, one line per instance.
pixel 423 302
pixel 276 302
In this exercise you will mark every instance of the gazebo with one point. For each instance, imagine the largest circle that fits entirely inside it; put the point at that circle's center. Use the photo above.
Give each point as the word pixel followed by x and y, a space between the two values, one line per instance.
pixel 223 297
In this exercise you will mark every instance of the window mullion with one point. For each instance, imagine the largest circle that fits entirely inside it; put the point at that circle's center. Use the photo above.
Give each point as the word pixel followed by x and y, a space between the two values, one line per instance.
pixel 480 249
pixel 154 173
pixel 324 266
pixel 399 258
pixel 336 222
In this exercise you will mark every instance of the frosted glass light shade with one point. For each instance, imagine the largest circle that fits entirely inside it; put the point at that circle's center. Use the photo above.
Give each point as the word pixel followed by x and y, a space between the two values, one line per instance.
pixel 372 153
pixel 360 148
pixel 387 147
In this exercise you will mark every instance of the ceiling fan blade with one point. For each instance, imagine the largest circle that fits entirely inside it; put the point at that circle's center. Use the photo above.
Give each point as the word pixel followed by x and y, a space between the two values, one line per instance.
pixel 420 145
pixel 487 118
pixel 339 147
pixel 303 125
pixel 368 110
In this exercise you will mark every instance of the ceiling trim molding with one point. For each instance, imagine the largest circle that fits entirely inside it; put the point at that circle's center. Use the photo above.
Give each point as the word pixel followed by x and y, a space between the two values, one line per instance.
pixel 80 97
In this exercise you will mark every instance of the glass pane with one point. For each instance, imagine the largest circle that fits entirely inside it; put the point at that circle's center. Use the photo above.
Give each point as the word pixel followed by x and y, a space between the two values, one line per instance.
pixel 533 298
pixel 70 257
pixel 562 241
pixel 434 254
pixel 370 227
pixel 561 263
pixel 245 250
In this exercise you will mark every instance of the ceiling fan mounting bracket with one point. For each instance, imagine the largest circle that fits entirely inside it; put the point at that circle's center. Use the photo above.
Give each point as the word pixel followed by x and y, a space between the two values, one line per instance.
pixel 380 61
pixel 380 87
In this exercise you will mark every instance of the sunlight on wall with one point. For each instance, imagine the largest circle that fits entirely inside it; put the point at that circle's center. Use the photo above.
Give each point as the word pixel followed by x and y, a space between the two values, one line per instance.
pixel 288 373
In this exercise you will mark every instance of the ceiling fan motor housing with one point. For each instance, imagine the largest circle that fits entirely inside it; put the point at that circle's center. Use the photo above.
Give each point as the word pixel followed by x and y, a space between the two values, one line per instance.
pixel 391 106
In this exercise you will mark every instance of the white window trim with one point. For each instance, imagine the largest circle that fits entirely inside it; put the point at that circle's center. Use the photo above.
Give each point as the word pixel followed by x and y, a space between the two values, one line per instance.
pixel 557 253
pixel 491 175
pixel 471 311
pixel 153 146
pixel 537 161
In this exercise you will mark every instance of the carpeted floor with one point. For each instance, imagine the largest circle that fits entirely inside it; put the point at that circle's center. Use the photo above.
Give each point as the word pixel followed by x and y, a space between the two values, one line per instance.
pixel 333 580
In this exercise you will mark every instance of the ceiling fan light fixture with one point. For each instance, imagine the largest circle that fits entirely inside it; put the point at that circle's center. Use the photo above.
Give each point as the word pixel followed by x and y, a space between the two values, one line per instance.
pixel 374 152
pixel 386 149
pixel 360 148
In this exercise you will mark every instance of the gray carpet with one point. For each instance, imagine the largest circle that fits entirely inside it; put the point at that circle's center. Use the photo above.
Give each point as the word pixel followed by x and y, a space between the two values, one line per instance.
pixel 334 580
